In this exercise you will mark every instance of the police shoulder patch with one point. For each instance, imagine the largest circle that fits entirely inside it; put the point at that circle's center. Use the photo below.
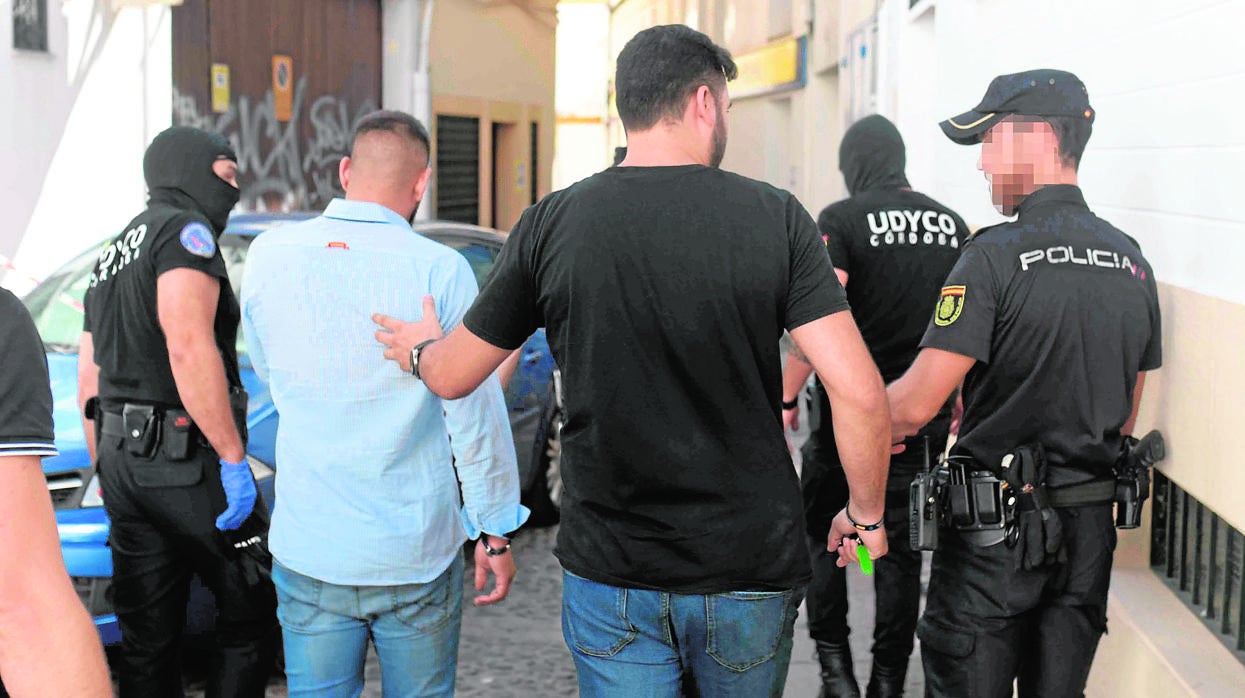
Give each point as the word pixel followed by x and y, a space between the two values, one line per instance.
pixel 950 303
pixel 198 240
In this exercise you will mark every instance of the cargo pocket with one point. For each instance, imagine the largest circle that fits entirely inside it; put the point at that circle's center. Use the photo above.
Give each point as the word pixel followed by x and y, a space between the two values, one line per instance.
pixel 161 473
pixel 745 627
pixel 945 652
pixel 595 617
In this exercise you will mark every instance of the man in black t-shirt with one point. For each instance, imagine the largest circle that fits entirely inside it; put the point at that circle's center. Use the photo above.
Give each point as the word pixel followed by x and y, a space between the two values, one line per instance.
pixel 1051 322
pixel 665 285
pixel 48 645
pixel 892 249
pixel 158 375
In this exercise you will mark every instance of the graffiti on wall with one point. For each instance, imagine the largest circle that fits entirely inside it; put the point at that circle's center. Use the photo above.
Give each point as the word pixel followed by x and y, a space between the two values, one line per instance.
pixel 282 166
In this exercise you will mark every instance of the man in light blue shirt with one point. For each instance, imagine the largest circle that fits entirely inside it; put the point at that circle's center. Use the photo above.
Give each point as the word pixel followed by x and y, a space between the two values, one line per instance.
pixel 369 523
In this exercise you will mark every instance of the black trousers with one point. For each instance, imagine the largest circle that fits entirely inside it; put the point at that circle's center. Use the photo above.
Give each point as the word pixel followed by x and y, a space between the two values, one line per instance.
pixel 897 576
pixel 162 535
pixel 987 624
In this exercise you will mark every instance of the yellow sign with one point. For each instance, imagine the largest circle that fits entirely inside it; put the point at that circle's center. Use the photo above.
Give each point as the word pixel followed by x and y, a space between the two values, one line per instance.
pixel 777 67
pixel 949 305
pixel 283 87
pixel 220 88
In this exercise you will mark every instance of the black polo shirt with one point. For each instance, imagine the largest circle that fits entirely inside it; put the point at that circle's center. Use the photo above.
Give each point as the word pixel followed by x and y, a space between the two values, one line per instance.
pixel 1060 310
pixel 665 291
pixel 25 391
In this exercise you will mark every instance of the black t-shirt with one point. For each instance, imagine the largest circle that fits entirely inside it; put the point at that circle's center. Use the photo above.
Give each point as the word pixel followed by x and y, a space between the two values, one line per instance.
pixel 121 312
pixel 25 391
pixel 897 247
pixel 1061 311
pixel 665 292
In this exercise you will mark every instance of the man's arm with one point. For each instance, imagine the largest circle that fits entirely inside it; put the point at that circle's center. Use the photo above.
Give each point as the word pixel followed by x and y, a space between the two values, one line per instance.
pixel 861 423
pixel 484 457
pixel 186 300
pixel 88 387
pixel 48 644
pixel 923 389
pixel 506 371
pixel 1127 429
pixel 796 374
pixel 451 367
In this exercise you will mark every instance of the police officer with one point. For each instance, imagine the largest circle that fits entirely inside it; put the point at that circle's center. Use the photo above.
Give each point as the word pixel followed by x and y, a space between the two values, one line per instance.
pixel 158 355
pixel 892 248
pixel 1051 322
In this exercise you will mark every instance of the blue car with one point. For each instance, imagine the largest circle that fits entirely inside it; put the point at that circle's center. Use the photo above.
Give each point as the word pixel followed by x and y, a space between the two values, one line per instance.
pixel 533 396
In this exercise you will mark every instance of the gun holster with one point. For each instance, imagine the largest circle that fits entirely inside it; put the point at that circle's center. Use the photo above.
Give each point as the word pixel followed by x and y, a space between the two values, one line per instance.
pixel 1132 477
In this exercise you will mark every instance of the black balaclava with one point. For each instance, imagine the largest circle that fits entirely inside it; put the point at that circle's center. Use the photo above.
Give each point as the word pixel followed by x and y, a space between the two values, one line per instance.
pixel 872 156
pixel 178 170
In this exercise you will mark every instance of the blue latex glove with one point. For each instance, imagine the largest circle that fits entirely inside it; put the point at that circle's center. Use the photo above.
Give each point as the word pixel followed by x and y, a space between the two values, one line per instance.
pixel 239 486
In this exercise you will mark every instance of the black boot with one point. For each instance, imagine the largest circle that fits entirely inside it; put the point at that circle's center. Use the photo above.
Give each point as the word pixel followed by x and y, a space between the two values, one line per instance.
pixel 838 679
pixel 886 682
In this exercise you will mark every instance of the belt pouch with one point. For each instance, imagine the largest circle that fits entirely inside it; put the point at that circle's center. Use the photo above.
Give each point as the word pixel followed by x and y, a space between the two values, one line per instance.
pixel 142 430
pixel 178 435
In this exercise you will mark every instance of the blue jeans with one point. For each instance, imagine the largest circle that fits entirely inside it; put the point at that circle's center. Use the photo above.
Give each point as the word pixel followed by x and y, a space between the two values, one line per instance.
pixel 629 642
pixel 326 628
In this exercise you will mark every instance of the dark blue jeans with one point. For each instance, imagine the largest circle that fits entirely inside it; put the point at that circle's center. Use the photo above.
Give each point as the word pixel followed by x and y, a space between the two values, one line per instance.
pixel 630 642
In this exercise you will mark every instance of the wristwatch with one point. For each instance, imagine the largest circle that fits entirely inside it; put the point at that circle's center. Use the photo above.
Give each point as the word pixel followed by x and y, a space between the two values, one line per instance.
pixel 791 405
pixel 493 552
pixel 415 356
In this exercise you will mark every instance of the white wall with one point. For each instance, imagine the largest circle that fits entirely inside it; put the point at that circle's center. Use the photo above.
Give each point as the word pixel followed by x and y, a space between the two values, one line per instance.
pixel 75 131
pixel 581 94
pixel 1167 157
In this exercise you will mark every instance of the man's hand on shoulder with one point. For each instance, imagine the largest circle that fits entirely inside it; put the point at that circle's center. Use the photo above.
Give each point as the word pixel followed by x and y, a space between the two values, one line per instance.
pixel 400 337
pixel 502 567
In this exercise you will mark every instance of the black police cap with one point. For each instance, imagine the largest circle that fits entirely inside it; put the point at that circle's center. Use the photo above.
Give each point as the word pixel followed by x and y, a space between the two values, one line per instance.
pixel 1042 92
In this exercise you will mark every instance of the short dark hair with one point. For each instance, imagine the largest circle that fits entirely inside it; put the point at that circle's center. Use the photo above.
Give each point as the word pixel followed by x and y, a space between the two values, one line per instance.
pixel 1071 132
pixel 397 122
pixel 661 68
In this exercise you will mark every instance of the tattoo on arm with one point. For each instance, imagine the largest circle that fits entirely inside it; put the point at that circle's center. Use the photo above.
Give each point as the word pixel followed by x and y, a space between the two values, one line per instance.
pixel 796 354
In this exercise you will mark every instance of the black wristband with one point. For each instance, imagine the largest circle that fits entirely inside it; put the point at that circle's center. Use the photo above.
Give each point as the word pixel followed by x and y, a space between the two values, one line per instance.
pixel 493 552
pixel 791 405
pixel 859 526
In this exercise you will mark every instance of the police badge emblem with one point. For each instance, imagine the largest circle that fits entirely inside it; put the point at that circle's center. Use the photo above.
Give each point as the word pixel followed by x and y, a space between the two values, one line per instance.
pixel 950 303
pixel 198 240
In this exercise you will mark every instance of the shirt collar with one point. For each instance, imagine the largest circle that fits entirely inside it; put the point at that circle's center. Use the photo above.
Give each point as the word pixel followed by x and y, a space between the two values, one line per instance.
pixel 1066 194
pixel 363 211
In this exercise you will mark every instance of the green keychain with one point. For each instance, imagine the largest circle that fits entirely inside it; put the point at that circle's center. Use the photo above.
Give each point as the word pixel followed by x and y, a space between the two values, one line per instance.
pixel 866 562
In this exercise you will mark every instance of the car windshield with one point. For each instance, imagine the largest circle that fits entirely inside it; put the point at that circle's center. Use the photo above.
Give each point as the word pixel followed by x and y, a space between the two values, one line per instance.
pixel 56 303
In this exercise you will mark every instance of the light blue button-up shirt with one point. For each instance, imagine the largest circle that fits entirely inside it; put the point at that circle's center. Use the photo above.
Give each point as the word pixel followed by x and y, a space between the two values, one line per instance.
pixel 366 492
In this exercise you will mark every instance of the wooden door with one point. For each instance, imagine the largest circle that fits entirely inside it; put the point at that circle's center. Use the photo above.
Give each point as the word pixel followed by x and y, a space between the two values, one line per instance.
pixel 299 75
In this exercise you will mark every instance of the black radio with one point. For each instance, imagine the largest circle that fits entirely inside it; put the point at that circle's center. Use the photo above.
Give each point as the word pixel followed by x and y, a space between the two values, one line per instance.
pixel 926 504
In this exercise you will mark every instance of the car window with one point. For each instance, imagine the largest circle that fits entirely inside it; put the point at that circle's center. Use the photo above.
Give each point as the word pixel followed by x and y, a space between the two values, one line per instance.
pixel 56 303
pixel 480 257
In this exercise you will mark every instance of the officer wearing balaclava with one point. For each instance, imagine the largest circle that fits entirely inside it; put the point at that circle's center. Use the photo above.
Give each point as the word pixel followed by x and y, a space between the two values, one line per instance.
pixel 891 248
pixel 161 392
